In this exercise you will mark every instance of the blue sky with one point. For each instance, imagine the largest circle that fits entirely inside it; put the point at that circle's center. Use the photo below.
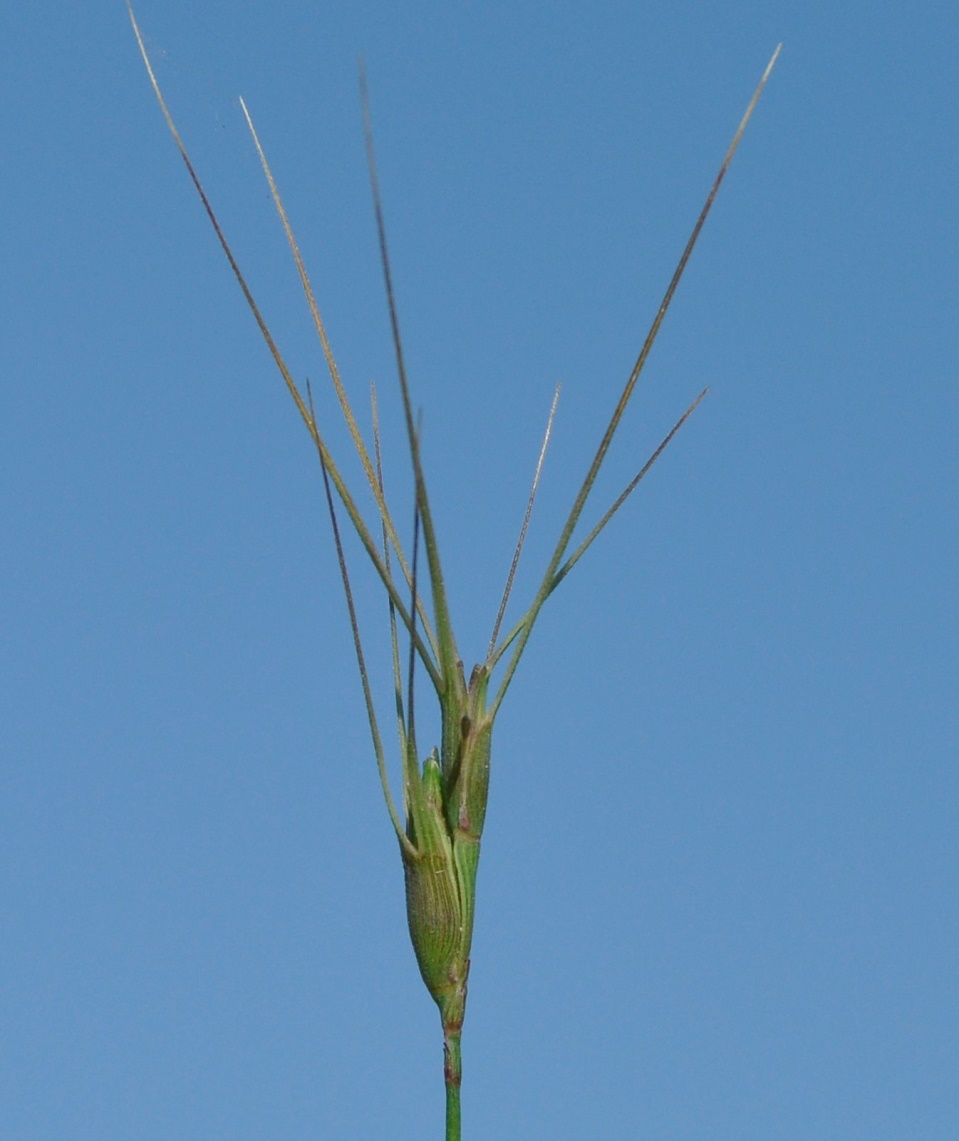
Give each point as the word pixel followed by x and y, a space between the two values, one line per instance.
pixel 718 897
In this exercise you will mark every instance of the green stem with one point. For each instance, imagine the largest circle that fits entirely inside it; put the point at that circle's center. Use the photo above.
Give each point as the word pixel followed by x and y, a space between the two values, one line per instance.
pixel 452 1074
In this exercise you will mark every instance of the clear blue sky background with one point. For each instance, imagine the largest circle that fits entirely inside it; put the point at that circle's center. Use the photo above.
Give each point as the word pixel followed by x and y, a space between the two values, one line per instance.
pixel 718 898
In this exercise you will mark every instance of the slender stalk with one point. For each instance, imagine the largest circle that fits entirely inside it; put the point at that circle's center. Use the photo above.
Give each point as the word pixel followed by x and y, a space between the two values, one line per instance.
pixel 452 1011
pixel 453 1076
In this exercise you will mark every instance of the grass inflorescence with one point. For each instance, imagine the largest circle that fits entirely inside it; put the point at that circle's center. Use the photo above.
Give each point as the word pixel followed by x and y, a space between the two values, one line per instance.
pixel 439 822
